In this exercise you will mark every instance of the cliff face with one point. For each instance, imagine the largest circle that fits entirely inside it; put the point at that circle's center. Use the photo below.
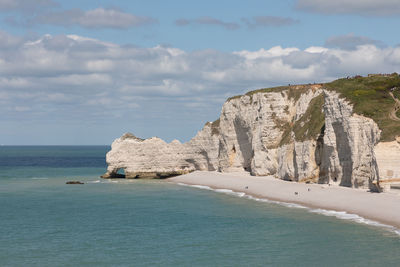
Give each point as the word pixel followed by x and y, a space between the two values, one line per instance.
pixel 300 133
pixel 348 156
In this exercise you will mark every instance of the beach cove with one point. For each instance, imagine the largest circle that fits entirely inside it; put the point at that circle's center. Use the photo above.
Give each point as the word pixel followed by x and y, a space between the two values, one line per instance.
pixel 381 209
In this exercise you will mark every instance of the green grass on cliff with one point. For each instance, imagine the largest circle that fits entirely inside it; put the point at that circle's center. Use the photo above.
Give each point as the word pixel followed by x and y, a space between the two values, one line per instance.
pixel 294 91
pixel 215 127
pixel 309 126
pixel 396 93
pixel 370 98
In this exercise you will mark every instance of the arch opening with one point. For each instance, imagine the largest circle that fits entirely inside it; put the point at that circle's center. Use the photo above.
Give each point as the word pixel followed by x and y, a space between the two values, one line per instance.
pixel 120 173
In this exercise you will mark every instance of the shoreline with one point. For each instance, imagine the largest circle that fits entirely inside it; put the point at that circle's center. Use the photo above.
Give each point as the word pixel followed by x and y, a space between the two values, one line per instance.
pixel 382 208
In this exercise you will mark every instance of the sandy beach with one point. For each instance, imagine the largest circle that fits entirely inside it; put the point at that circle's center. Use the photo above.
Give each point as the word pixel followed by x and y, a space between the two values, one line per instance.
pixel 380 207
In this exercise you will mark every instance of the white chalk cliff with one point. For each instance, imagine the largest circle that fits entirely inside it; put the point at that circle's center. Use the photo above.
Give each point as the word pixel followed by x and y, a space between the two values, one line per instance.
pixel 305 133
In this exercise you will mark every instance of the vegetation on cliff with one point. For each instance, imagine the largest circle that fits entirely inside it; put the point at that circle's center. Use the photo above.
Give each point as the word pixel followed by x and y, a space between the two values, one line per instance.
pixel 370 97
pixel 308 127
pixel 294 91
pixel 215 127
pixel 215 130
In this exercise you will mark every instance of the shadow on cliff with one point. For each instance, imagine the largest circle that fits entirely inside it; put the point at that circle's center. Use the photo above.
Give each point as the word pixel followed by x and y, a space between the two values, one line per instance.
pixel 244 140
pixel 210 166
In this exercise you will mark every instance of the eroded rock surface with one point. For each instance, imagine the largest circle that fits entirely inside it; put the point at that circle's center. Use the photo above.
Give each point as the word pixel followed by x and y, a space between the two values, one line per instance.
pixel 388 160
pixel 154 158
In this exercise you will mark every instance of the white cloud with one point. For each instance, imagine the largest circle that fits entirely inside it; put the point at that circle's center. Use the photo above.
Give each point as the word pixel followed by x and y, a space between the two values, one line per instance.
pixel 3 95
pixel 79 79
pixel 26 5
pixel 28 13
pixel 102 65
pixel 14 82
pixel 316 49
pixel 252 23
pixel 275 51
pixel 76 78
pixel 97 66
pixel 95 18
pixel 208 21
pixel 269 21
pixel 350 41
pixel 22 108
pixel 359 7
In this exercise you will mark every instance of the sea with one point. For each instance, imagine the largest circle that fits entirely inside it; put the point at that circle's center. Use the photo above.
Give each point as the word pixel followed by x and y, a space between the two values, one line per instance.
pixel 45 222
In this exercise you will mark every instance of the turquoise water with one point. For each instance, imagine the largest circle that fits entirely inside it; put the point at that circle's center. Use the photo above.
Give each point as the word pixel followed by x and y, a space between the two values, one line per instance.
pixel 44 222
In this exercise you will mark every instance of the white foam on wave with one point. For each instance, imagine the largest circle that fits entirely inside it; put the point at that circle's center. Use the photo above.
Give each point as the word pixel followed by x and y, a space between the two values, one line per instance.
pixel 94 182
pixel 286 204
pixel 230 192
pixel 197 186
pixel 338 214
pixel 39 178
pixel 355 218
pixel 243 194
pixel 101 182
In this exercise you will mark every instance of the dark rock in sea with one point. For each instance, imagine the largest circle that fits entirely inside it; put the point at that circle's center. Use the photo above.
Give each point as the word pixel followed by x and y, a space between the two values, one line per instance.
pixel 74 182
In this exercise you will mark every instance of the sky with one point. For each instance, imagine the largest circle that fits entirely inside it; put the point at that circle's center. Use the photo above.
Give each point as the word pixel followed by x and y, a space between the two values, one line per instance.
pixel 85 72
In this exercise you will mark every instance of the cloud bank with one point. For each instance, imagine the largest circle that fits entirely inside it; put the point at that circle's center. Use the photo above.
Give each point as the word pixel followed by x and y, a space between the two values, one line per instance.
pixel 251 23
pixel 26 5
pixel 95 18
pixel 359 7
pixel 208 21
pixel 35 12
pixel 269 21
pixel 351 41
pixel 70 77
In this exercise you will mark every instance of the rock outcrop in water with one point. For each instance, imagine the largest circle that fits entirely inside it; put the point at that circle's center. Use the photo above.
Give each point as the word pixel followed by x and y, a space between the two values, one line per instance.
pixel 74 182
pixel 305 133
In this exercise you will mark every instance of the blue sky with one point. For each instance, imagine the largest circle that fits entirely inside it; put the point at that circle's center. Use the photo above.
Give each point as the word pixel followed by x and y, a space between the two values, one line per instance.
pixel 85 72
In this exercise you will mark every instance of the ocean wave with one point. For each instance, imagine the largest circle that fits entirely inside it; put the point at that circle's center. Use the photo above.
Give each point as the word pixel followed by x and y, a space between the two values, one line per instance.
pixel 230 192
pixel 39 178
pixel 94 182
pixel 332 213
pixel 286 204
pixel 197 186
pixel 101 182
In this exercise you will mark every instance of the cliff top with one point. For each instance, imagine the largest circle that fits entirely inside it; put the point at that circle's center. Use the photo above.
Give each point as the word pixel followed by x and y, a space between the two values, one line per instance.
pixel 376 96
pixel 294 91
pixel 373 97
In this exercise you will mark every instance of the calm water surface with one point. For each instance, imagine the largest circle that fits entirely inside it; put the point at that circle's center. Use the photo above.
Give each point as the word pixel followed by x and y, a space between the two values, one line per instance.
pixel 44 222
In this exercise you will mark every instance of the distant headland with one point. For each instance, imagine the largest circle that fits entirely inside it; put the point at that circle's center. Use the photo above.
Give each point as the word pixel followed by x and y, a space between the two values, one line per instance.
pixel 346 132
